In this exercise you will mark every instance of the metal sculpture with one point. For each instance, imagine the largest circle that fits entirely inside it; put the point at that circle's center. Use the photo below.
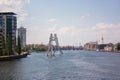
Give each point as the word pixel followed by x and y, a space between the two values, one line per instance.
pixel 53 48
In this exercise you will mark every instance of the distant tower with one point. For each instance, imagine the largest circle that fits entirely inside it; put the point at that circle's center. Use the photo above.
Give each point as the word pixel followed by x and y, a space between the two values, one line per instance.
pixel 22 35
pixel 102 39
pixel 51 48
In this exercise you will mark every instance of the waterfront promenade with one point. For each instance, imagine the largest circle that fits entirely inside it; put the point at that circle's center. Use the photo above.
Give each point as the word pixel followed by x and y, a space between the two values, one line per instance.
pixel 12 57
pixel 72 65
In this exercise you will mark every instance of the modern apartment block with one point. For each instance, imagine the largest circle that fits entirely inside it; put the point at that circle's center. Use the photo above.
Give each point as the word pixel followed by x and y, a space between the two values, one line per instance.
pixel 22 35
pixel 8 26
pixel 0 36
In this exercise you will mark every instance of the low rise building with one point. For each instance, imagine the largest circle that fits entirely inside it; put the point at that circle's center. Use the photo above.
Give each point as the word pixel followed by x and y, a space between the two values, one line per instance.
pixel 91 46
pixel 101 47
pixel 109 47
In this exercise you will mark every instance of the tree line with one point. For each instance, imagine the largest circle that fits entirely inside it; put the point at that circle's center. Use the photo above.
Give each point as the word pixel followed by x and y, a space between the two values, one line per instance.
pixel 7 47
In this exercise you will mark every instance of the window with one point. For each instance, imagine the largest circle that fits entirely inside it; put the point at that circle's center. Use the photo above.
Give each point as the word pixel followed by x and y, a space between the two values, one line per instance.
pixel 0 22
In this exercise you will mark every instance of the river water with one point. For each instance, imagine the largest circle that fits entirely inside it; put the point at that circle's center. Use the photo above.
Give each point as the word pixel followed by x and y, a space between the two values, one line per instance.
pixel 72 65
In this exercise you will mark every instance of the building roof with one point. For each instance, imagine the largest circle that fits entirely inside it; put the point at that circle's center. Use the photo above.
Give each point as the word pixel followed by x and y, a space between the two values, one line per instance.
pixel 7 13
pixel 22 28
pixel 92 43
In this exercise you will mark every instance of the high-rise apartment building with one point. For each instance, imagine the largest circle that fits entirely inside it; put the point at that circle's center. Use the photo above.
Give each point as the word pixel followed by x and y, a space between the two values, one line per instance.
pixel 22 35
pixel 8 25
pixel 0 35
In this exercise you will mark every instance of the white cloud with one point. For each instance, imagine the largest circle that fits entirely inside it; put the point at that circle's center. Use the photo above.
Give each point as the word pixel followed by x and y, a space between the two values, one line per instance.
pixel 52 20
pixel 85 16
pixel 22 16
pixel 63 30
pixel 110 32
pixel 106 27
pixel 53 29
pixel 67 30
pixel 73 35
pixel 13 2
pixel 66 34
pixel 14 6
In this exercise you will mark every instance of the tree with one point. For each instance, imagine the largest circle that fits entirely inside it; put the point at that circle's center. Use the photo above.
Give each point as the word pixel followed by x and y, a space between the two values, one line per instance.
pixel 118 46
pixel 15 45
pixel 19 45
pixel 3 51
pixel 9 45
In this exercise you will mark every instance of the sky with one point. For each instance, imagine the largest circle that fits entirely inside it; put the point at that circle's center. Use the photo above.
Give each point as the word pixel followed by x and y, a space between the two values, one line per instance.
pixel 74 21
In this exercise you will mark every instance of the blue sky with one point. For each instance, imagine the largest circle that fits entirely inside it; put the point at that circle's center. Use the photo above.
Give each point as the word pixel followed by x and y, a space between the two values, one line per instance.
pixel 74 21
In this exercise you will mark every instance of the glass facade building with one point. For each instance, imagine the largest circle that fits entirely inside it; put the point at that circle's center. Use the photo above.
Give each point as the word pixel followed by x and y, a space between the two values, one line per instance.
pixel 8 25
pixel 0 33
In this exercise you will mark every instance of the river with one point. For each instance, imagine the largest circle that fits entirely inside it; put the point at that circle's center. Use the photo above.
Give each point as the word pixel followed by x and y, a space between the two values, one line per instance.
pixel 72 65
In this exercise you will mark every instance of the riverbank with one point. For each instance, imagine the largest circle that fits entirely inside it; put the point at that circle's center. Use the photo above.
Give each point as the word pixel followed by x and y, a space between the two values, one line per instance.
pixel 12 57
pixel 104 51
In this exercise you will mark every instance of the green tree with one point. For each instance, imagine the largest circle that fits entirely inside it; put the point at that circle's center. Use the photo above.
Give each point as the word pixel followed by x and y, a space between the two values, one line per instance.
pixel 4 50
pixel 19 45
pixel 118 46
pixel 9 45
pixel 28 48
pixel 15 46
